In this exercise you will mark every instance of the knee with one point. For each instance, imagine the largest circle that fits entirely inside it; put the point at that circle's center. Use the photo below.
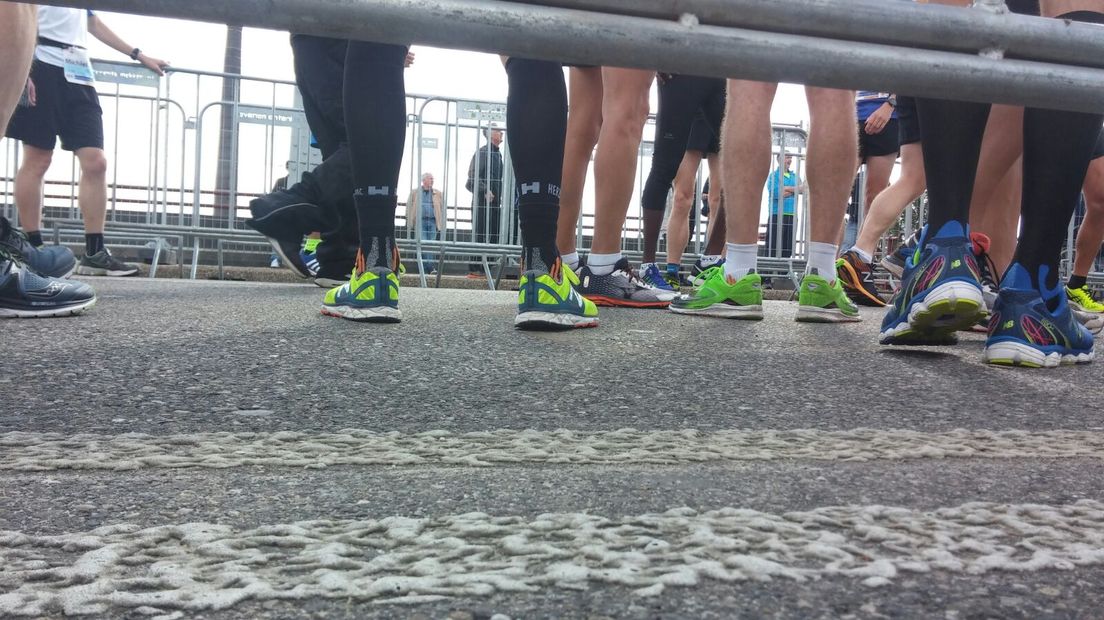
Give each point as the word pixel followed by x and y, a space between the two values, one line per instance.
pixel 94 165
pixel 36 162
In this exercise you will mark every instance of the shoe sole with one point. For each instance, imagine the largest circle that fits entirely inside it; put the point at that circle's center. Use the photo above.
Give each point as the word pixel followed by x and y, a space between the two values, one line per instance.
pixel 724 311
pixel 381 314
pixel 813 314
pixel 946 309
pixel 552 321
pixel 284 258
pixel 74 310
pixel 1092 321
pixel 1024 356
pixel 847 278
pixel 328 283
pixel 610 302
pixel 96 271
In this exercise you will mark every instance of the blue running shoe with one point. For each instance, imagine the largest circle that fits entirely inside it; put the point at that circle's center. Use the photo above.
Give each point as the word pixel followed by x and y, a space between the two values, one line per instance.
pixel 1024 332
pixel 651 275
pixel 940 293
pixel 310 260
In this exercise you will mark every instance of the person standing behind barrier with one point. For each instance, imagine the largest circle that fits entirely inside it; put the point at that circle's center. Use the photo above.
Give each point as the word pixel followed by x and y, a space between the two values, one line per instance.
pixel 782 189
pixel 1089 238
pixel 425 215
pixel 878 148
pixel 25 291
pixel 485 183
pixel 1031 324
pixel 66 105
pixel 736 290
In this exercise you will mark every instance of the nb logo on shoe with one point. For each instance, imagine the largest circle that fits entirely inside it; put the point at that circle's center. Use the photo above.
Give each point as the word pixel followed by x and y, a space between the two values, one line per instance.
pixel 956 264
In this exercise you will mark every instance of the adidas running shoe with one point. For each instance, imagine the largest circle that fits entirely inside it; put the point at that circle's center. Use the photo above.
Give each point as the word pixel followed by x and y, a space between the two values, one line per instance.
pixel 621 288
pixel 821 302
pixel 309 256
pixel 722 297
pixel 940 291
pixel 25 294
pixel 370 295
pixel 547 300
pixel 857 279
pixel 1023 331
pixel 651 275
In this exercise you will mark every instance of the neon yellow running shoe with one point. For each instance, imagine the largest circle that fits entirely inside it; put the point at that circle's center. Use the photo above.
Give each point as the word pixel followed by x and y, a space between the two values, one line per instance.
pixel 547 300
pixel 370 295
pixel 820 302
pixel 718 296
pixel 1081 299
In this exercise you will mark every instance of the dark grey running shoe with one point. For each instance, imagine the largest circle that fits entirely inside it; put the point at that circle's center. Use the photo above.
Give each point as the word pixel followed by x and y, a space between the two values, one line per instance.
pixel 102 263
pixel 622 289
pixel 25 294
pixel 53 261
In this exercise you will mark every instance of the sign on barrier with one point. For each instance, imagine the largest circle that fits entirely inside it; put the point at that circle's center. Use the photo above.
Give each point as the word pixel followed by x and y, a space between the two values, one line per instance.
pixel 429 143
pixel 266 116
pixel 124 73
pixel 474 110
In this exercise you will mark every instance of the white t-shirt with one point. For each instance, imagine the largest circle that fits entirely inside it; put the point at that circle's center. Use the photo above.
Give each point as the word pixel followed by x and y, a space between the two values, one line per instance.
pixel 69 26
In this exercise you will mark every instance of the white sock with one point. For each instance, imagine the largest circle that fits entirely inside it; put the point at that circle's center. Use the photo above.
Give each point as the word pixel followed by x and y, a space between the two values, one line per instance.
pixel 708 260
pixel 602 264
pixel 822 260
pixel 571 260
pixel 741 259
pixel 862 254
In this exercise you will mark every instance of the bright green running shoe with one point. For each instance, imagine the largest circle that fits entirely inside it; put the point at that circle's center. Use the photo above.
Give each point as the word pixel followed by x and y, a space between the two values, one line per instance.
pixel 370 295
pixel 1081 298
pixel 717 296
pixel 820 302
pixel 548 301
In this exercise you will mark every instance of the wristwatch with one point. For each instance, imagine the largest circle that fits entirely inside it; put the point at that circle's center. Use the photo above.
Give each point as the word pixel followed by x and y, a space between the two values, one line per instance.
pixel 892 101
pixel 135 53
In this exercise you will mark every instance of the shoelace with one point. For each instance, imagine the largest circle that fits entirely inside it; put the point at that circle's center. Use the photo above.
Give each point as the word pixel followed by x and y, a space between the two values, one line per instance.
pixel 987 268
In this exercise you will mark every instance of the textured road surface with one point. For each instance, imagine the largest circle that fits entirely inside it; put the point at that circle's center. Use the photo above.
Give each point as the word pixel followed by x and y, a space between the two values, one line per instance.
pixel 189 358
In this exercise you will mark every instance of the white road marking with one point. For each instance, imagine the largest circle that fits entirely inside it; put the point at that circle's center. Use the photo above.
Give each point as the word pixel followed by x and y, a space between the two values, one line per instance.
pixel 195 566
pixel 50 451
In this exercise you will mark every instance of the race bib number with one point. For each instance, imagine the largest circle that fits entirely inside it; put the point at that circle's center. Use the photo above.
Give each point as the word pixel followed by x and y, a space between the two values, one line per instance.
pixel 78 69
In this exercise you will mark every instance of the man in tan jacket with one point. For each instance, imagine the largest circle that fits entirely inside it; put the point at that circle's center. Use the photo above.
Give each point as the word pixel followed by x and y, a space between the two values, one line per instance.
pixel 425 214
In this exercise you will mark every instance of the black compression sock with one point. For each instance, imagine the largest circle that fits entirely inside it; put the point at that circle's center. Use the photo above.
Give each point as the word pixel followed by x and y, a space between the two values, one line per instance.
pixel 1057 149
pixel 379 251
pixel 1077 282
pixel 93 243
pixel 375 119
pixel 653 225
pixel 536 125
pixel 35 237
pixel 951 133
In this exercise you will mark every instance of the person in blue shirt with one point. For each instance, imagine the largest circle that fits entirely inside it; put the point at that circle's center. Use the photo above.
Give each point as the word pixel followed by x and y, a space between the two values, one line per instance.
pixel 782 188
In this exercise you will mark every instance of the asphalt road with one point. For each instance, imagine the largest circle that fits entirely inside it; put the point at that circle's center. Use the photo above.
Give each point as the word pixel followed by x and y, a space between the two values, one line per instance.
pixel 220 450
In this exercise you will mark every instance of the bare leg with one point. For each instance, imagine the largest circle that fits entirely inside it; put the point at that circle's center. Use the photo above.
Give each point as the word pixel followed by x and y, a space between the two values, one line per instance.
pixel 17 40
pixel 678 227
pixel 584 122
pixel 832 157
pixel 624 111
pixel 28 186
pixel 878 170
pixel 888 205
pixel 994 204
pixel 1091 233
pixel 1000 218
pixel 92 195
pixel 746 156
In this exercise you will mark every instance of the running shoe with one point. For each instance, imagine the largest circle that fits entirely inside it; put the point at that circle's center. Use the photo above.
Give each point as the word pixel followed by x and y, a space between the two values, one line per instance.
pixel 894 262
pixel 309 259
pixel 25 294
pixel 621 288
pixel 284 217
pixel 370 296
pixel 699 268
pixel 1023 331
pixel 651 275
pixel 722 297
pixel 940 292
pixel 821 302
pixel 548 301
pixel 51 261
pixel 1082 299
pixel 979 244
pixel 1092 321
pixel 102 263
pixel 857 279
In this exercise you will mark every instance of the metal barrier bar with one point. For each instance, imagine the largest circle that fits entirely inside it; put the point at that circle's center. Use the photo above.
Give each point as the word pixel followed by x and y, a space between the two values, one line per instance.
pixel 619 40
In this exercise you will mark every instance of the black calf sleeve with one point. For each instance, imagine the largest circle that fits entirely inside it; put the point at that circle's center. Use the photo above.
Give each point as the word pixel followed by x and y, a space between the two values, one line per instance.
pixel 536 124
pixel 375 117
pixel 951 133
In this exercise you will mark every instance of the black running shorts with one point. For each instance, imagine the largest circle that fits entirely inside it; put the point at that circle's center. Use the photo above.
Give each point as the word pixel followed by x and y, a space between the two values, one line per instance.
pixel 63 110
pixel 909 128
pixel 879 144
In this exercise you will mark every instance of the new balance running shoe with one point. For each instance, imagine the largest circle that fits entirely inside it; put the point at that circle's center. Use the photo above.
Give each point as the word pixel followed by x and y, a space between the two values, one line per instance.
pixel 370 295
pixel 547 300
pixel 895 261
pixel 1023 331
pixel 52 261
pixel 621 288
pixel 720 296
pixel 940 292
pixel 821 302
pixel 857 279
pixel 25 294
pixel 651 275
pixel 102 263
pixel 1081 298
